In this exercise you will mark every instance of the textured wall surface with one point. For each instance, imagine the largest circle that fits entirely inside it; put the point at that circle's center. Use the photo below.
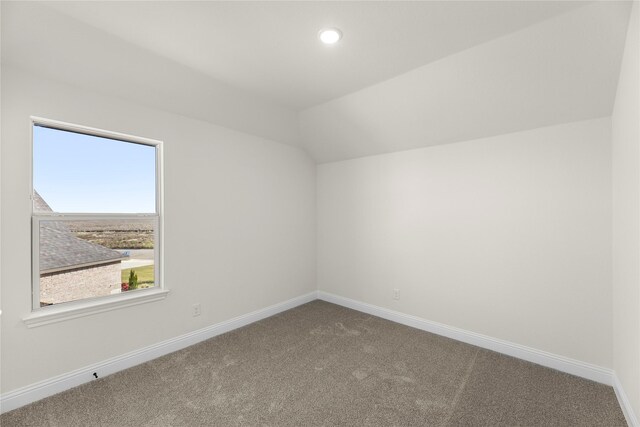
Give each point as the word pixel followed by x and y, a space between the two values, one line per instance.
pixel 626 218
pixel 239 229
pixel 508 236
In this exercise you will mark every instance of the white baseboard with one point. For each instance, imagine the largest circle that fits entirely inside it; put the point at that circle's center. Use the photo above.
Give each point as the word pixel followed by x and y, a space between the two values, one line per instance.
pixel 550 360
pixel 42 389
pixel 627 410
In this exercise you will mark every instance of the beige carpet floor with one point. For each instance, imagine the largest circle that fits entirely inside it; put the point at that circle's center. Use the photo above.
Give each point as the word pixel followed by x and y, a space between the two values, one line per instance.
pixel 321 364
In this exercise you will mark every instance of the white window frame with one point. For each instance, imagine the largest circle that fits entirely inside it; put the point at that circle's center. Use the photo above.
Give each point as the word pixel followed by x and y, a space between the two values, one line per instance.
pixel 72 309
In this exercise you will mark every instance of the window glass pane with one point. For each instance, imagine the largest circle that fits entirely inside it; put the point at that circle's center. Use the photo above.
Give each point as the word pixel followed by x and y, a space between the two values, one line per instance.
pixel 87 259
pixel 77 173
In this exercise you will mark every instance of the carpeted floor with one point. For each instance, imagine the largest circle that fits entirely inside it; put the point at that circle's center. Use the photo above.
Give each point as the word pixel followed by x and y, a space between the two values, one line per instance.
pixel 321 364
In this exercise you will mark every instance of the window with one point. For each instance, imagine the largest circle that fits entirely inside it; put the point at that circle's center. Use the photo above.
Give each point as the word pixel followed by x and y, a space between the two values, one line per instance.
pixel 96 222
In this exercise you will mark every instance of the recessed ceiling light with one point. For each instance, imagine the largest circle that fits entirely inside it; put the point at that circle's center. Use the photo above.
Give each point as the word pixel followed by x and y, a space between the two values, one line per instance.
pixel 330 35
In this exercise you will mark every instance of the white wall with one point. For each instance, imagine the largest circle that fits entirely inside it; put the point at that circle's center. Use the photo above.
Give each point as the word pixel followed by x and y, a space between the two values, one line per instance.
pixel 239 229
pixel 507 236
pixel 626 218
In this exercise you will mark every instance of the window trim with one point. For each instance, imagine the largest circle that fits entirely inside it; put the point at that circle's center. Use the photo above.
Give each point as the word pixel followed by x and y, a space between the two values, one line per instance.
pixel 72 309
pixel 87 307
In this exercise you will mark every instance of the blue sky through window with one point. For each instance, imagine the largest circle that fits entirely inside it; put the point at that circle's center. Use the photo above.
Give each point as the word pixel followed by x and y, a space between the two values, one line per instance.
pixel 88 174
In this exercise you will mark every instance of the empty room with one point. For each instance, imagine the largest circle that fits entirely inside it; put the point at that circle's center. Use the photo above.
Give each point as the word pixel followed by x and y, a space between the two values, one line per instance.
pixel 300 213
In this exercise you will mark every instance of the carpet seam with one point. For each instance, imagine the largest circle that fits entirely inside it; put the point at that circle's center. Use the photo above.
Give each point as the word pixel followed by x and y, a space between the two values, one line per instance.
pixel 461 387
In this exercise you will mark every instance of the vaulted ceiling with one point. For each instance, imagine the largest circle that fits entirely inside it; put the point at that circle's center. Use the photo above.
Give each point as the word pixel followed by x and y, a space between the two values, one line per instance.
pixel 271 48
pixel 405 75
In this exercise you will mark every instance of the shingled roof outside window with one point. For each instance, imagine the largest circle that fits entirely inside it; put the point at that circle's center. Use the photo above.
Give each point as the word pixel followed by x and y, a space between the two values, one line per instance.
pixel 61 250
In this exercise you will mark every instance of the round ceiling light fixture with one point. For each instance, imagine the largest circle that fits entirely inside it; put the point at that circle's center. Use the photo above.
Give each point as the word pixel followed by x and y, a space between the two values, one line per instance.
pixel 330 35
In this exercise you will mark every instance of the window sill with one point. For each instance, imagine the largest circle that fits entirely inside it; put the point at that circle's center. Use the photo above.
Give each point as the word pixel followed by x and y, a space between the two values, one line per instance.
pixel 66 312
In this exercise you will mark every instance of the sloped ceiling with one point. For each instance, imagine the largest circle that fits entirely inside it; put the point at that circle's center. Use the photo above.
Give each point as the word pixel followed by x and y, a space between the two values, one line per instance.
pixel 406 74
pixel 561 70
pixel 271 48
pixel 37 39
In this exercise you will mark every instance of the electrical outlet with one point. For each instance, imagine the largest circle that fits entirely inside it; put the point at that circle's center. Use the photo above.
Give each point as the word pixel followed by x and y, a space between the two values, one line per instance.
pixel 396 294
pixel 196 310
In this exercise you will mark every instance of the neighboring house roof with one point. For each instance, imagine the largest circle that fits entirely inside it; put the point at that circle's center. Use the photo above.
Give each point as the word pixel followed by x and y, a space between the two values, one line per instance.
pixel 61 250
pixel 39 205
